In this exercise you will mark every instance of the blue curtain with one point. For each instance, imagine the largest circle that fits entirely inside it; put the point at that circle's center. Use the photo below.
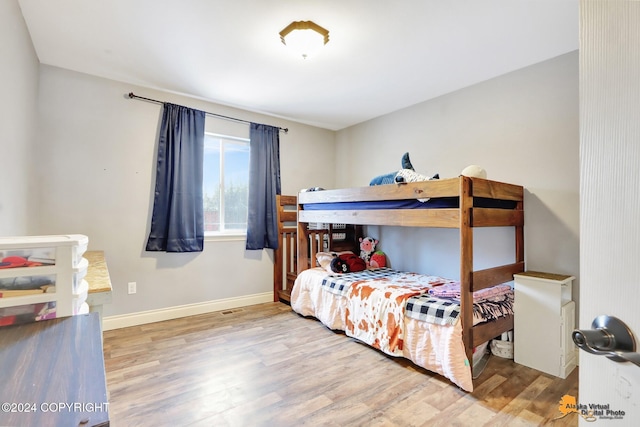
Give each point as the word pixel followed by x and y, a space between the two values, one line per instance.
pixel 177 223
pixel 264 184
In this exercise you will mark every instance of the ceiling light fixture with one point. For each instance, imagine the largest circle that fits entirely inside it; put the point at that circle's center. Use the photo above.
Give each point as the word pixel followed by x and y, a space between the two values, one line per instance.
pixel 304 37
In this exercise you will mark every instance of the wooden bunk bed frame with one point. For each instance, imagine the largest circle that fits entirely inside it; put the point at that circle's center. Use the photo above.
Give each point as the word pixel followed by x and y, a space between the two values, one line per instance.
pixel 285 268
pixel 465 218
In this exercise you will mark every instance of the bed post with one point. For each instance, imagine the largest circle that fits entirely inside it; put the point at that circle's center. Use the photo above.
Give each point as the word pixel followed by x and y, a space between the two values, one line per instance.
pixel 303 243
pixel 520 234
pixel 466 264
pixel 278 264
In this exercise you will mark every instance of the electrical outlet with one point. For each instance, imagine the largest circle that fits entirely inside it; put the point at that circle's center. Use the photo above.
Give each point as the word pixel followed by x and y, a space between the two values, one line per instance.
pixel 132 287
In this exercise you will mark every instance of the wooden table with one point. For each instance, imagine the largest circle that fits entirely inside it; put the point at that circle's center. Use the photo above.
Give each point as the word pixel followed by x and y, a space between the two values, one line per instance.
pixel 99 282
pixel 52 373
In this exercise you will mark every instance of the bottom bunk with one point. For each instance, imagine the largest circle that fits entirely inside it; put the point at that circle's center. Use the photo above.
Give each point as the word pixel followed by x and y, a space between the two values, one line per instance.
pixel 408 315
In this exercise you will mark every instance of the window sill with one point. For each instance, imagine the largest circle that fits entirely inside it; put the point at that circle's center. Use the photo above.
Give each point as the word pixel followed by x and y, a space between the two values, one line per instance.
pixel 225 237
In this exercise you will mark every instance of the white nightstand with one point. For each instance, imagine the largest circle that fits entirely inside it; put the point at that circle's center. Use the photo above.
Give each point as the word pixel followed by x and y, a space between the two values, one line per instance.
pixel 543 323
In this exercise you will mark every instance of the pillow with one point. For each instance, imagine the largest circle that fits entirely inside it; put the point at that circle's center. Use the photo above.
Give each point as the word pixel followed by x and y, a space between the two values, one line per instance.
pixel 324 259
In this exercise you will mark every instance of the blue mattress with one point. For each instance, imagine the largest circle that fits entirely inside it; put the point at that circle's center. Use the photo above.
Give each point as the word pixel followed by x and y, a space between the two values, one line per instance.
pixel 434 203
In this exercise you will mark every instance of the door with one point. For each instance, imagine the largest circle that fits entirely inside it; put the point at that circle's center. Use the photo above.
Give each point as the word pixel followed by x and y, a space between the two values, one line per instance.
pixel 609 199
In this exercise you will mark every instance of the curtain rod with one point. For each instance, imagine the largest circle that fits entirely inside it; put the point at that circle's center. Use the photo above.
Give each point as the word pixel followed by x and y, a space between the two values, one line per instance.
pixel 134 96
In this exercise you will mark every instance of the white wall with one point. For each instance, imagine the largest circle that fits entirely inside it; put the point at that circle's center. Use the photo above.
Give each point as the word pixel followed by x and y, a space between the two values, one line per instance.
pixel 521 127
pixel 96 157
pixel 19 89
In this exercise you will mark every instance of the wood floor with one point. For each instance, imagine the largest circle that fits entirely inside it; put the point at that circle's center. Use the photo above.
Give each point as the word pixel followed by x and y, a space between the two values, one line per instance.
pixel 266 366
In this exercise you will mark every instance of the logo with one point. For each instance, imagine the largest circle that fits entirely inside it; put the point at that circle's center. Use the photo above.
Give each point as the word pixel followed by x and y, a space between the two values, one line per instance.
pixel 590 412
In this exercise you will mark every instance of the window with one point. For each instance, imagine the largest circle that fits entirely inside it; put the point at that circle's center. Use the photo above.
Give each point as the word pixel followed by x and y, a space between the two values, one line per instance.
pixel 225 184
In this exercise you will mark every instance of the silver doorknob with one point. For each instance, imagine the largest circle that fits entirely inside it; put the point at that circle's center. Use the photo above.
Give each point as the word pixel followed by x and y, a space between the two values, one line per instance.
pixel 609 337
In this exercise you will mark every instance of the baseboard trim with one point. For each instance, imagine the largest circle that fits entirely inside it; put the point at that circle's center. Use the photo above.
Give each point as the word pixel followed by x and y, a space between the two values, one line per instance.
pixel 159 315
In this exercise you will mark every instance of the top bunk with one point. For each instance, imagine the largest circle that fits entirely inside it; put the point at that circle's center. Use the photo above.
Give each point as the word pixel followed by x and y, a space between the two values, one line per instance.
pixel 446 203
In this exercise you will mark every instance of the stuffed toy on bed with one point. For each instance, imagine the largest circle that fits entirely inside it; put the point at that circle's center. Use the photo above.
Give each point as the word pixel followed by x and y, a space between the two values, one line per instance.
pixel 378 260
pixel 371 257
pixel 474 171
pixel 340 262
pixel 367 248
pixel 406 174
pixel 347 263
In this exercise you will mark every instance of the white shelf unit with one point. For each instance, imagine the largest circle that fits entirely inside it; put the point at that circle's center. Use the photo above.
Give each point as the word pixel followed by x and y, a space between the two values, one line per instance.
pixel 62 264
pixel 543 323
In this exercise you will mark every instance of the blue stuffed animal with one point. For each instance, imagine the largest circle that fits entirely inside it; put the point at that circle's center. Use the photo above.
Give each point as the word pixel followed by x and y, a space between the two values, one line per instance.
pixel 406 174
pixel 389 178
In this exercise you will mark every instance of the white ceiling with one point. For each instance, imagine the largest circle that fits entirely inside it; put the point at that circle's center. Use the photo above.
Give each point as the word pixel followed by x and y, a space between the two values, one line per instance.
pixel 382 55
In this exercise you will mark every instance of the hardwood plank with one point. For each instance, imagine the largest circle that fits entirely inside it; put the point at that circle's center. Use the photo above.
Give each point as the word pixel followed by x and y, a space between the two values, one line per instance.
pixel 289 216
pixel 415 190
pixel 494 276
pixel 444 218
pixel 265 365
pixel 490 217
pixel 485 331
pixel 497 190
pixel 512 410
pixel 436 188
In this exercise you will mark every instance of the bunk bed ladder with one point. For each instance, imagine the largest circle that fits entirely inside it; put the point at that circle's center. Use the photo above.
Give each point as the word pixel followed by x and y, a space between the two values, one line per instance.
pixel 286 257
pixel 285 270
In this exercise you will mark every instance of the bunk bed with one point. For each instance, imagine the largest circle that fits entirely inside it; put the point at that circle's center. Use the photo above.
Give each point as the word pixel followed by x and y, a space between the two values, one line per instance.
pixel 461 203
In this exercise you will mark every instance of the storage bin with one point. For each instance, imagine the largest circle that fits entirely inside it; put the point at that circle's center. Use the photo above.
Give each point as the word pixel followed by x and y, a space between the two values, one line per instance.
pixel 502 348
pixel 20 285
pixel 24 285
pixel 479 351
pixel 26 313
pixel 43 277
pixel 42 249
